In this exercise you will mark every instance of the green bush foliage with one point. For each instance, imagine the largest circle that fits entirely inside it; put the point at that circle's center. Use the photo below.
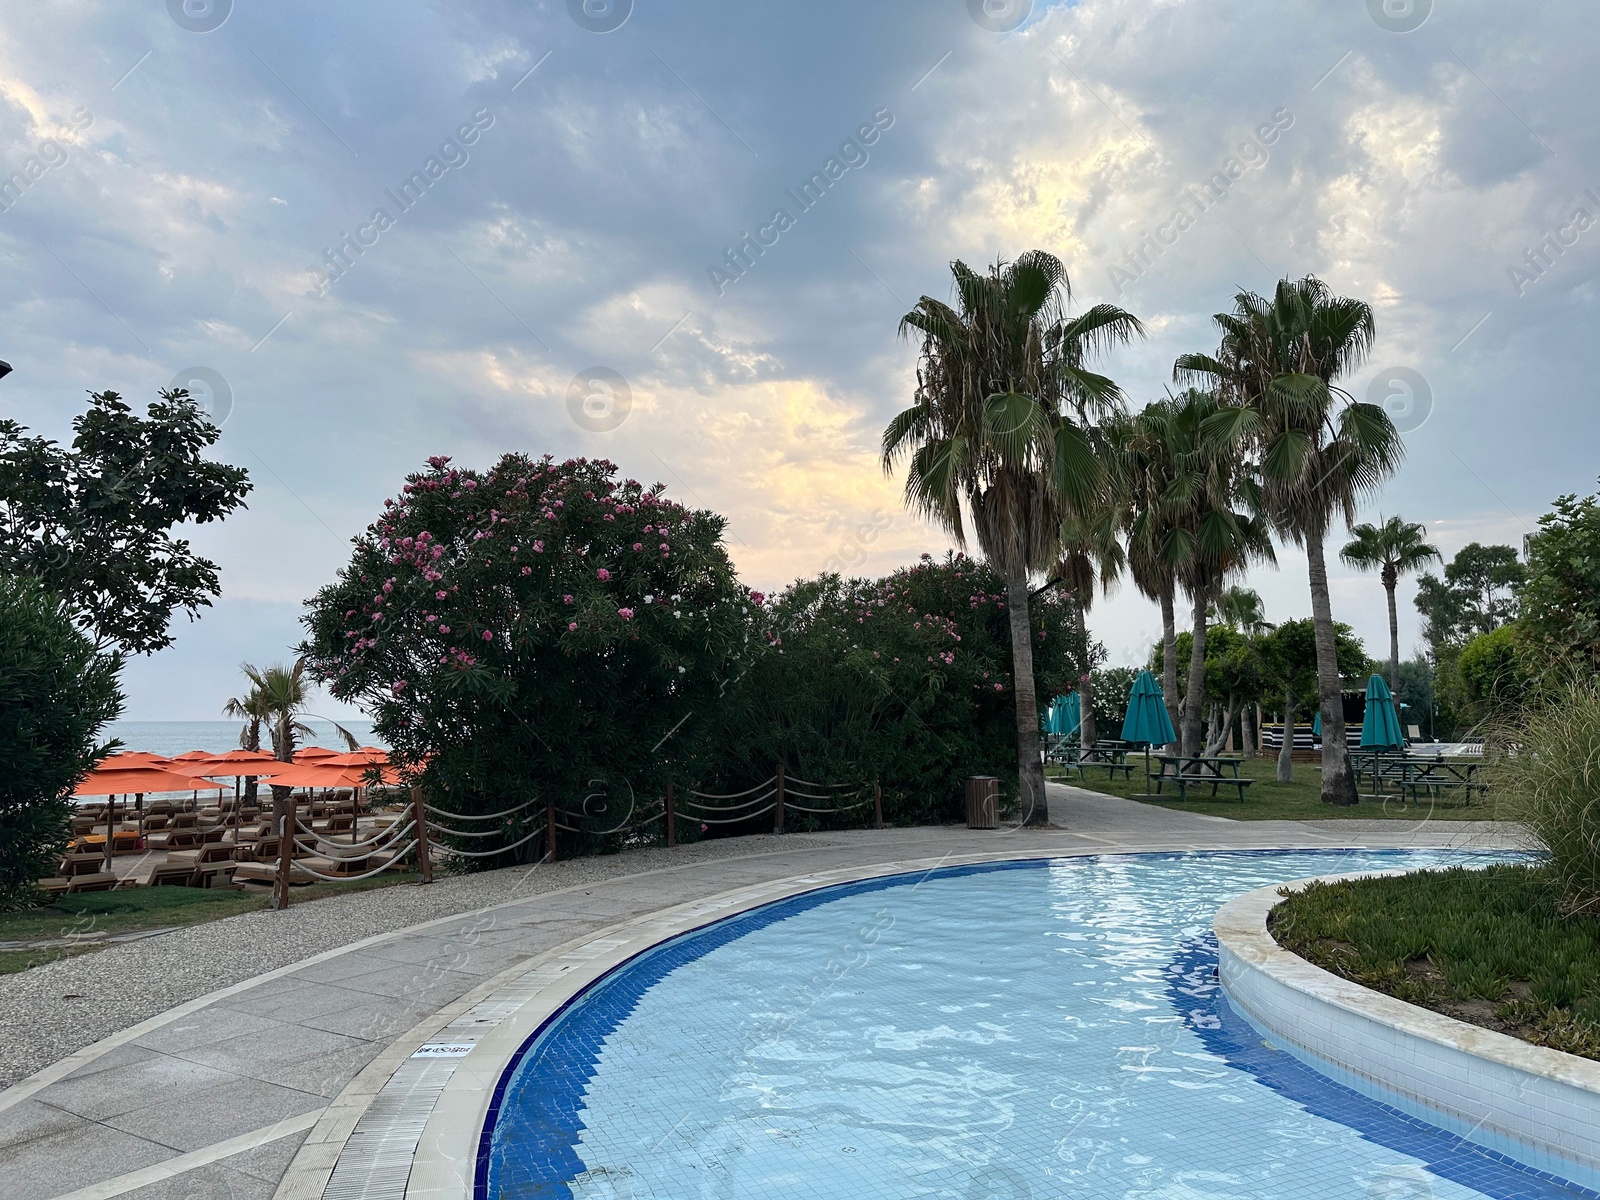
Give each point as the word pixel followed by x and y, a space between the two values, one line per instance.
pixel 1561 598
pixel 57 692
pixel 538 629
pixel 1491 946
pixel 904 680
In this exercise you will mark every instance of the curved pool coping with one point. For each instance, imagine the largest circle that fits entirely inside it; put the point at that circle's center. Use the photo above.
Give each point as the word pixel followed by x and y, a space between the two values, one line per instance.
pixel 1528 1104
pixel 417 1112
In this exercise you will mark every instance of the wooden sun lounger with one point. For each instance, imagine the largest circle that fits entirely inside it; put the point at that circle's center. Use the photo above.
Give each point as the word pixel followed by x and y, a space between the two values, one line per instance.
pixel 102 881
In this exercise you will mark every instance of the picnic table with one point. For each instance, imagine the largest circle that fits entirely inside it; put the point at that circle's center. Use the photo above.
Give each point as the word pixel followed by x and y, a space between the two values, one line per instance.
pixel 1414 774
pixel 1184 773
pixel 1112 755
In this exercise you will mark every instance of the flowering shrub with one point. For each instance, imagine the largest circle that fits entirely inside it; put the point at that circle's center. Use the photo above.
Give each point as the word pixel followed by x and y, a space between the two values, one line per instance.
pixel 535 630
pixel 905 679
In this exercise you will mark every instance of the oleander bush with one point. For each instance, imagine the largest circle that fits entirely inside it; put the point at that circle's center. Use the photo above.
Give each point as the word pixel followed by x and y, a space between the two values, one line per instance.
pixel 1494 946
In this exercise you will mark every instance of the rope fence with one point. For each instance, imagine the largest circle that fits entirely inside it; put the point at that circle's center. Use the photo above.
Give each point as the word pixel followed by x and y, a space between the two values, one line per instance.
pixel 435 833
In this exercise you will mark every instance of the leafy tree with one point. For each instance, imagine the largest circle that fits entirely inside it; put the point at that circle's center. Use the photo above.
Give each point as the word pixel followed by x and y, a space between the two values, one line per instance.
pixel 1420 701
pixel 998 437
pixel 1493 675
pixel 1319 451
pixel 1232 677
pixel 93 522
pixel 1478 594
pixel 1293 671
pixel 1561 599
pixel 536 629
pixel 57 692
pixel 904 680
pixel 1392 549
pixel 1091 558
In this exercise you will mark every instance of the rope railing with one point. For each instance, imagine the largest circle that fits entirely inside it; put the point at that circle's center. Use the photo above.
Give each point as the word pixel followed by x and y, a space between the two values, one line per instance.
pixel 431 836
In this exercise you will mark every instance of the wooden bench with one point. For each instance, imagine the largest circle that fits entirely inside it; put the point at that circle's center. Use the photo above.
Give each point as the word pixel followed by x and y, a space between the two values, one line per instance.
pixel 1184 782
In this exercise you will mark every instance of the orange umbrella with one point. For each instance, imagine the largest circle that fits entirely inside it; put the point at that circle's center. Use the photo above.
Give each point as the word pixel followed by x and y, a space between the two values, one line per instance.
pixel 130 781
pixel 327 774
pixel 314 754
pixel 131 758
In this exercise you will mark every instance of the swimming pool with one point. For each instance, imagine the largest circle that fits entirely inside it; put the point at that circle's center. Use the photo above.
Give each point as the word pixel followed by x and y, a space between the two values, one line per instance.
pixel 1023 1029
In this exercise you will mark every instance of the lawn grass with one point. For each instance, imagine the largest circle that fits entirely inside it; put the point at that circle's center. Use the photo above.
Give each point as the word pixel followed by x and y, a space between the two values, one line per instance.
pixel 1487 946
pixel 1268 800
pixel 99 913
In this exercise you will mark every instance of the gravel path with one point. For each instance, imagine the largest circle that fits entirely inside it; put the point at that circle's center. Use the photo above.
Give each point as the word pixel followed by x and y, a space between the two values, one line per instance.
pixel 53 1010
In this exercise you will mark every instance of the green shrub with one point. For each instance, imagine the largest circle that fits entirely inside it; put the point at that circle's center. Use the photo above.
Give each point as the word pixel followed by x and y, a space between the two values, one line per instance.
pixel 57 692
pixel 1547 772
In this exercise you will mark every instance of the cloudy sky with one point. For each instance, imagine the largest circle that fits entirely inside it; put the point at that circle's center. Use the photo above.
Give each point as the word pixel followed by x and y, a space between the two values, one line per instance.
pixel 197 162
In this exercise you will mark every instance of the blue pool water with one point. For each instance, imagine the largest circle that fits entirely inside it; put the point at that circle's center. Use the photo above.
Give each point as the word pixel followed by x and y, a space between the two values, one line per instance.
pixel 1014 1030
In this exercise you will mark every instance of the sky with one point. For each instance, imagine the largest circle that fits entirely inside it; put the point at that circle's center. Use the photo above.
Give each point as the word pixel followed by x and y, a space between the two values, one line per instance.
pixel 561 182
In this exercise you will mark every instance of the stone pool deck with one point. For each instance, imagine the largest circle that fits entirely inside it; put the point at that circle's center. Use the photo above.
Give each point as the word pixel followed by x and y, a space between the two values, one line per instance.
pixel 192 1065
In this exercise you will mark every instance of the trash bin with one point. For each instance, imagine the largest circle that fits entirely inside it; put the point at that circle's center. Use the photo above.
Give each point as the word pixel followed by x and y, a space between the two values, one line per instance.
pixel 983 802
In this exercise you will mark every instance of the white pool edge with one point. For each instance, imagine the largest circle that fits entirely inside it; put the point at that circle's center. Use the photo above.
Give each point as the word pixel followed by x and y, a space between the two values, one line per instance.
pixel 1534 1105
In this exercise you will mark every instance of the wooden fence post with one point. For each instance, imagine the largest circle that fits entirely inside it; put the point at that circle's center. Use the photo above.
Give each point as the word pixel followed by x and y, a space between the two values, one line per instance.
pixel 777 822
pixel 550 829
pixel 877 806
pixel 287 820
pixel 672 827
pixel 424 858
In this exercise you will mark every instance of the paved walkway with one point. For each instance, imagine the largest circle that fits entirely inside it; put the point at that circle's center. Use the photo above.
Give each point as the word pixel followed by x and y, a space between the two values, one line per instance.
pixel 190 1066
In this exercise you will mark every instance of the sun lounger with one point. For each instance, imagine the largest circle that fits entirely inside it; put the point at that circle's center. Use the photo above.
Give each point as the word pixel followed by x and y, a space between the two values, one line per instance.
pixel 103 881
pixel 171 875
pixel 56 885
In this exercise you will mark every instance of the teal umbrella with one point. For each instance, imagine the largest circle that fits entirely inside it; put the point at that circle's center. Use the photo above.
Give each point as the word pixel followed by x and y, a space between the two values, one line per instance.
pixel 1380 727
pixel 1147 719
pixel 1068 713
pixel 1316 724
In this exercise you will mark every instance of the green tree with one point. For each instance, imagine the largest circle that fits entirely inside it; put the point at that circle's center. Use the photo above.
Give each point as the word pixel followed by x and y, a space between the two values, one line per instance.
pixel 1111 688
pixel 93 522
pixel 57 693
pixel 1393 549
pixel 1478 594
pixel 1560 602
pixel 1320 452
pixel 253 709
pixel 1232 678
pixel 1091 560
pixel 998 437
pixel 1293 671
pixel 1240 608
pixel 1493 674
pixel 536 629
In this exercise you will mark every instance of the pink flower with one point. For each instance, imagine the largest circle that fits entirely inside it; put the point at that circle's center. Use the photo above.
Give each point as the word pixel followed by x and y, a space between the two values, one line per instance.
pixel 758 597
pixel 444 629
pixel 527 570
pixel 602 574
pixel 488 636
pixel 638 545
pixel 441 595
pixel 566 599
pixel 625 613
pixel 538 547
pixel 998 688
pixel 572 627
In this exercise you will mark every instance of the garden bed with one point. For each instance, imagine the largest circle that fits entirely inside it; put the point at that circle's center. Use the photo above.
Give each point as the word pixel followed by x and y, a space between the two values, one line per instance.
pixel 1488 946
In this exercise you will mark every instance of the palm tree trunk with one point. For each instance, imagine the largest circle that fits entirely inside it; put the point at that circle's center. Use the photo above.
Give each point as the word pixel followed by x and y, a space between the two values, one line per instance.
pixel 1286 751
pixel 1394 644
pixel 1194 696
pixel 1086 729
pixel 1030 768
pixel 1338 785
pixel 1169 658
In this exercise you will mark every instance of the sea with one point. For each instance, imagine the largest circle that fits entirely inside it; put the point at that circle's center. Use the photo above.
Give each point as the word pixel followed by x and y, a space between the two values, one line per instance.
pixel 171 738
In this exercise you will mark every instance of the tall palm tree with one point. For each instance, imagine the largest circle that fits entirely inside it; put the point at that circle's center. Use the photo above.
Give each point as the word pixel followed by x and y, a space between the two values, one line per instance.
pixel 1214 508
pixel 1091 558
pixel 1144 469
pixel 1319 451
pixel 997 437
pixel 1393 549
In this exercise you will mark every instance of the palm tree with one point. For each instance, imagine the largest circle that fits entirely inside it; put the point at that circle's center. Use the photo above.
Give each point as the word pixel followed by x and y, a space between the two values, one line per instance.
pixel 1320 452
pixel 1241 608
pixel 1091 558
pixel 997 436
pixel 1392 549
pixel 252 708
